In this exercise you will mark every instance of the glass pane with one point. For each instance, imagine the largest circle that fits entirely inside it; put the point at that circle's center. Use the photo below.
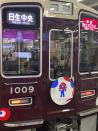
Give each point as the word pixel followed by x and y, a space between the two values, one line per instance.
pixel 88 44
pixel 60 53
pixel 21 52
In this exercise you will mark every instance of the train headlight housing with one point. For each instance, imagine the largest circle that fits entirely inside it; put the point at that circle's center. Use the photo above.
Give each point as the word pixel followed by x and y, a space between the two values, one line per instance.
pixel 20 101
pixel 87 93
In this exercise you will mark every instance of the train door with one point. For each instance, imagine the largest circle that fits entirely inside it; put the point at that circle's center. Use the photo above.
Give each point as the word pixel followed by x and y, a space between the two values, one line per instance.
pixel 60 64
pixel 87 62
pixel 21 65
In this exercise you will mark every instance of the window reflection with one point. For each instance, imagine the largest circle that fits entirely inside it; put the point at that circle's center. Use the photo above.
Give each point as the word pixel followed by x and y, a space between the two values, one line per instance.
pixel 21 52
pixel 88 60
pixel 60 53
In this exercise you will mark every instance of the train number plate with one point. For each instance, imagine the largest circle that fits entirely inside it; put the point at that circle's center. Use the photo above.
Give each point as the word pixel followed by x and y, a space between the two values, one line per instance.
pixel 22 90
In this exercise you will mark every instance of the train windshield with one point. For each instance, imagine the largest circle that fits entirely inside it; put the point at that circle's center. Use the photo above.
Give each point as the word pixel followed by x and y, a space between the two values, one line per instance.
pixel 60 53
pixel 21 52
pixel 21 42
pixel 88 58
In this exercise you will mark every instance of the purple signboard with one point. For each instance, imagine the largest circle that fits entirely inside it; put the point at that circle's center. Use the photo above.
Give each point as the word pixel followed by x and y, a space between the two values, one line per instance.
pixel 17 34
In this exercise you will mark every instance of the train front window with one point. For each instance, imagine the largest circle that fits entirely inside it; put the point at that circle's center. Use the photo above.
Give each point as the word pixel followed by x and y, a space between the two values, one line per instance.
pixel 21 52
pixel 88 52
pixel 21 42
pixel 60 53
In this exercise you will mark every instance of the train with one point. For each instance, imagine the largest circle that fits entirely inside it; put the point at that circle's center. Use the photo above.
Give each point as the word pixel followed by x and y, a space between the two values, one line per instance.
pixel 48 61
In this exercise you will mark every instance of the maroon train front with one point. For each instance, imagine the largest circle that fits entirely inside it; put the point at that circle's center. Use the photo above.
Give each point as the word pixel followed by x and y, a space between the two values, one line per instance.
pixel 49 69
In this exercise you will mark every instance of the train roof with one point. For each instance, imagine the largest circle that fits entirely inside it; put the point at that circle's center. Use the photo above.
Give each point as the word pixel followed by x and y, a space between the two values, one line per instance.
pixel 86 8
pixel 55 8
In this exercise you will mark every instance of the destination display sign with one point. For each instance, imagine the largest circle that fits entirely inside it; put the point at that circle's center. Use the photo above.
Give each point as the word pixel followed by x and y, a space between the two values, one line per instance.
pixel 21 18
pixel 89 24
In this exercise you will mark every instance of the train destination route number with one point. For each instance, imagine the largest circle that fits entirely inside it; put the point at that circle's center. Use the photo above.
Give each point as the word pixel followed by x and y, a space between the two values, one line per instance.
pixel 23 90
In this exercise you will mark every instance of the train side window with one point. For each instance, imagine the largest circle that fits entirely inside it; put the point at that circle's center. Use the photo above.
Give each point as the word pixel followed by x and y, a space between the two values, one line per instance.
pixel 60 53
pixel 88 52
